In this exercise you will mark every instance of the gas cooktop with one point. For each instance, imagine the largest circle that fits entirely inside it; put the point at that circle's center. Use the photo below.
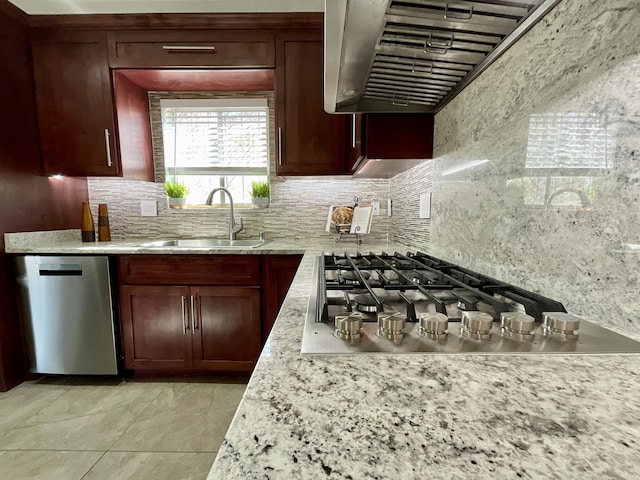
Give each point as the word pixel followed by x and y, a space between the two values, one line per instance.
pixel 417 303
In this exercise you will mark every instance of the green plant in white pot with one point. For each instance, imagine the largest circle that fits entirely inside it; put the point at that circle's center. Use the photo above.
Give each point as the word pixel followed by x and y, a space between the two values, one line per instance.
pixel 176 194
pixel 260 194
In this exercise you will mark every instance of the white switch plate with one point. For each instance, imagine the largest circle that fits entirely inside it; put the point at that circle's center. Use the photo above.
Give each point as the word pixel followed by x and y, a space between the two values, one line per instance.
pixel 388 207
pixel 148 208
pixel 376 208
pixel 425 205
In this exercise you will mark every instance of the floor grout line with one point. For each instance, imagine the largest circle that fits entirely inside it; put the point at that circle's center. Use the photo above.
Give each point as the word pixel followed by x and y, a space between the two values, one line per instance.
pixel 94 464
pixel 79 416
pixel 166 386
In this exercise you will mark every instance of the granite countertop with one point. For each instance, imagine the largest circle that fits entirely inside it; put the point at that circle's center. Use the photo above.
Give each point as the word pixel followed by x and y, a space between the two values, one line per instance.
pixel 413 416
pixel 67 242
pixel 429 416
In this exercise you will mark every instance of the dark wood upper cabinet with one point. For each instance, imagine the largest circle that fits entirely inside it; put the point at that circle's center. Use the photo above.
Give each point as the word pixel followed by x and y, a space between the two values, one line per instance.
pixel 173 48
pixel 387 144
pixel 309 141
pixel 79 133
pixel 75 104
pixel 398 135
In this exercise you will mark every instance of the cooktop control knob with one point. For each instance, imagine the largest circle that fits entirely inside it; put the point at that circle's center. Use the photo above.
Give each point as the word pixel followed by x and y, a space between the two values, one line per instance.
pixel 476 325
pixel 560 324
pixel 349 327
pixel 391 325
pixel 434 326
pixel 517 325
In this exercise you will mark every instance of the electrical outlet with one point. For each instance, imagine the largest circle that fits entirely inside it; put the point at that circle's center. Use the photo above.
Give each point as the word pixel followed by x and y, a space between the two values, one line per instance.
pixel 376 208
pixel 388 207
pixel 425 205
pixel 148 208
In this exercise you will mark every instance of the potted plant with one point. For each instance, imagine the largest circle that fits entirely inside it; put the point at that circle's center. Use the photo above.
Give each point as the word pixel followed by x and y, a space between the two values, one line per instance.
pixel 260 194
pixel 176 194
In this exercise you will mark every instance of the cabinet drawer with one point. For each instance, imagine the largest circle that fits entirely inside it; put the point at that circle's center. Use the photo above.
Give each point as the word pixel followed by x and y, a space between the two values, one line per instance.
pixel 190 49
pixel 190 269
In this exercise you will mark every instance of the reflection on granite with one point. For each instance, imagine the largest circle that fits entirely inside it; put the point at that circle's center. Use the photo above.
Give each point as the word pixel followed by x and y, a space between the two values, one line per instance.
pixel 424 416
pixel 536 176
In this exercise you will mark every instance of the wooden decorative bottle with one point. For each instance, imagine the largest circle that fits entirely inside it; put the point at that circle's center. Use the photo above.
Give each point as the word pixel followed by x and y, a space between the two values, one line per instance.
pixel 86 225
pixel 104 233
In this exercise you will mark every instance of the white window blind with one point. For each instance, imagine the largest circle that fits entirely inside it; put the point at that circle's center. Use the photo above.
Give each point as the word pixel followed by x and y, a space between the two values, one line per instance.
pixel 215 137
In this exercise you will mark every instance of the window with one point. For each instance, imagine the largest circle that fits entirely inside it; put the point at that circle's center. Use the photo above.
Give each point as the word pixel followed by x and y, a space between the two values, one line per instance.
pixel 216 143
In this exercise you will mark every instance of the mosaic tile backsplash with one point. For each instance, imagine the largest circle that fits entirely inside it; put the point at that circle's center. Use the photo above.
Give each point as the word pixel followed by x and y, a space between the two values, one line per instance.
pixel 298 208
pixel 537 173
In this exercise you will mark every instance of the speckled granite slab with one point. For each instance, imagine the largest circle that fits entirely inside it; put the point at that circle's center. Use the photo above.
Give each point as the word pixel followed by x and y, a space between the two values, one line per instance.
pixel 424 416
pixel 30 240
pixel 68 242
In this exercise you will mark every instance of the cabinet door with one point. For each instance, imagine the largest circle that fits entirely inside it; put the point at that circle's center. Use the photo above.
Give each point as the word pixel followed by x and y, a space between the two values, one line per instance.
pixel 226 327
pixel 156 331
pixel 75 104
pixel 310 141
pixel 399 135
pixel 277 274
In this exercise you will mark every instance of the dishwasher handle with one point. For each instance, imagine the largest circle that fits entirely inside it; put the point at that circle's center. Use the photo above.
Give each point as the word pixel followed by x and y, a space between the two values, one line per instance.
pixel 60 270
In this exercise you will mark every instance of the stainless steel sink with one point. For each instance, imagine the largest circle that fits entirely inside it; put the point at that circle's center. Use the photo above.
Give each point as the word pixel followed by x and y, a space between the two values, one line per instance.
pixel 204 242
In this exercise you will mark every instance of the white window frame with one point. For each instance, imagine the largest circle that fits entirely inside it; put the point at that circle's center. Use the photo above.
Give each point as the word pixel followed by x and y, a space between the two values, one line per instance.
pixel 217 104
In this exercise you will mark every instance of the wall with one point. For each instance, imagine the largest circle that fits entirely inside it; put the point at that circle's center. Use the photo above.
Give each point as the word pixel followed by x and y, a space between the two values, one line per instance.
pixel 28 201
pixel 554 205
pixel 298 207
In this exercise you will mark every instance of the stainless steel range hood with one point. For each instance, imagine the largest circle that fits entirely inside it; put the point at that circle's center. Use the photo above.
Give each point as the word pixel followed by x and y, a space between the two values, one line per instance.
pixel 415 55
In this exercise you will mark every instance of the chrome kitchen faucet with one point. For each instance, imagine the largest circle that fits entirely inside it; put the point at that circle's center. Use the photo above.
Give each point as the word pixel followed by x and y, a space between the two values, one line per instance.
pixel 233 231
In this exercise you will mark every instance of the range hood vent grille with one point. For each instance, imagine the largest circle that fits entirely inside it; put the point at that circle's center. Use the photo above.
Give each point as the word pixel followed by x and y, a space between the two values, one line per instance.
pixel 427 51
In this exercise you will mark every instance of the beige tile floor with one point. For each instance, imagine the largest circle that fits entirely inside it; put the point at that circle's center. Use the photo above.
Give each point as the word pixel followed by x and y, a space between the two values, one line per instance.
pixel 68 428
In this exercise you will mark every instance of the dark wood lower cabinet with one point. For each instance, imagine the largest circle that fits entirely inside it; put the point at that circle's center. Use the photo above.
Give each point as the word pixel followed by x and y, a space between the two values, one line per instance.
pixel 200 313
pixel 154 334
pixel 227 328
pixel 186 328
pixel 277 274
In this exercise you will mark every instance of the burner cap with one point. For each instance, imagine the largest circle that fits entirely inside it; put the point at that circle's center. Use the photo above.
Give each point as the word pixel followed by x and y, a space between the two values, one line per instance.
pixel 366 303
pixel 343 262
pixel 350 277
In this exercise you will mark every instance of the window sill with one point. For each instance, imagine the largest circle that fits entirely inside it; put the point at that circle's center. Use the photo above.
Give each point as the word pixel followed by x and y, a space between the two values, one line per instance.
pixel 242 206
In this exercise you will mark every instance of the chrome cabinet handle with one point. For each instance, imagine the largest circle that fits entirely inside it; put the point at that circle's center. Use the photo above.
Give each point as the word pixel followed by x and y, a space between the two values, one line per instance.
pixel 184 316
pixel 279 145
pixel 462 17
pixel 197 48
pixel 353 133
pixel 192 300
pixel 107 142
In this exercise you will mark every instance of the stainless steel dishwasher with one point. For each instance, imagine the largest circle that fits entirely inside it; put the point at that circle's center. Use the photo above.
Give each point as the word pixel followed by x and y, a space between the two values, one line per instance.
pixel 67 312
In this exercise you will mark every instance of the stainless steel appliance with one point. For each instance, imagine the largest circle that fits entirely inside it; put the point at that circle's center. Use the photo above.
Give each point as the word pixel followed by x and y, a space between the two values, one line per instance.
pixel 415 55
pixel 417 303
pixel 67 312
